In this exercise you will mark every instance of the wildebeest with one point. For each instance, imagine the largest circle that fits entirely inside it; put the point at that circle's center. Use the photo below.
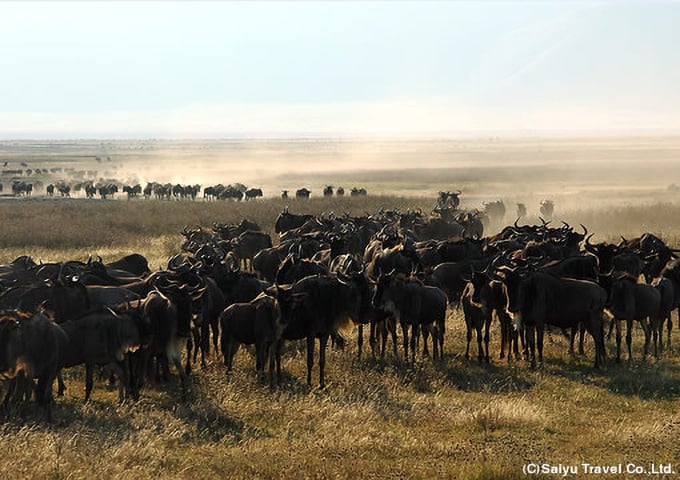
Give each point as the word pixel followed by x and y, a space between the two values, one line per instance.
pixel 29 348
pixel 302 193
pixel 537 299
pixel 546 209
pixel 495 210
pixel 630 301
pixel 328 191
pixel 102 338
pixel 521 210
pixel 287 221
pixel 253 193
pixel 340 191
pixel 421 307
pixel 326 302
pixel 258 322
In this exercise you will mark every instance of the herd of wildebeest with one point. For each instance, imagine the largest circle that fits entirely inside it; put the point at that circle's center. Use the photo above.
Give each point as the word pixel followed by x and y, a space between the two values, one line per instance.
pixel 232 285
pixel 106 189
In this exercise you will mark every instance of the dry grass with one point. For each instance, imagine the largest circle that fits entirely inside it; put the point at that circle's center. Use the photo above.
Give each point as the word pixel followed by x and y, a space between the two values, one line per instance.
pixel 376 419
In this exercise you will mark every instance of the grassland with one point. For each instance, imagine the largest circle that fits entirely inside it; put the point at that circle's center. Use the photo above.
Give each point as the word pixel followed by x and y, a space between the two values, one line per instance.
pixel 376 419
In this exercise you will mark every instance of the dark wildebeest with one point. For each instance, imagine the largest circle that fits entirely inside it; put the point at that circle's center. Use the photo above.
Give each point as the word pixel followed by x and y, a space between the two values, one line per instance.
pixel 327 302
pixel 630 301
pixel 29 348
pixel 413 304
pixel 253 193
pixel 546 208
pixel 102 338
pixel 249 244
pixel 340 191
pixel 302 193
pixel 284 194
pixel 258 322
pixel 494 210
pixel 288 221
pixel 537 299
pixel 328 191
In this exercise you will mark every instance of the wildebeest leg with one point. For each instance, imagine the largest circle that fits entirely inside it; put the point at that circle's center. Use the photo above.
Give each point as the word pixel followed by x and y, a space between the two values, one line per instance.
pixel 505 336
pixel 629 338
pixel 122 380
pixel 44 392
pixel 391 325
pixel 539 342
pixel 215 327
pixel 273 350
pixel 11 388
pixel 426 333
pixel 89 382
pixel 618 339
pixel 323 340
pixel 646 329
pixel 480 348
pixel 190 347
pixel 61 387
pixel 260 358
pixel 404 330
pixel 581 338
pixel 468 336
pixel 310 358
pixel 414 341
pixel 372 339
pixel 531 341
pixel 279 346
pixel 572 338
pixel 487 327
pixel 360 341
pixel 656 325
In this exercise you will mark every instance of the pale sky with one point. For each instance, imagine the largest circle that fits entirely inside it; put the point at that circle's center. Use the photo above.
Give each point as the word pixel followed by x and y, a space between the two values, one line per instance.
pixel 345 68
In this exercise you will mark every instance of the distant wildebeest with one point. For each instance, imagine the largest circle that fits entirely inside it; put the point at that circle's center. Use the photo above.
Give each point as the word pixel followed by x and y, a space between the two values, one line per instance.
pixel 521 210
pixel 495 210
pixel 302 193
pixel 284 194
pixel 546 209
pixel 340 191
pixel 253 193
pixel 328 191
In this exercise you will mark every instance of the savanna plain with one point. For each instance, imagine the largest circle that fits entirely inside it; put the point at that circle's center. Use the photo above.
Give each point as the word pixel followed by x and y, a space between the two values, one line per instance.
pixel 377 418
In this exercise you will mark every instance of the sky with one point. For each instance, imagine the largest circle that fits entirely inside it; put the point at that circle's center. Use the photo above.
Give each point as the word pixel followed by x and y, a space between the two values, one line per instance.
pixel 337 68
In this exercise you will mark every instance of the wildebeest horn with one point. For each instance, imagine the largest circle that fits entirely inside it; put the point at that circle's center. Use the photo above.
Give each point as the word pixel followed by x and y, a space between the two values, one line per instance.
pixel 585 230
pixel 458 192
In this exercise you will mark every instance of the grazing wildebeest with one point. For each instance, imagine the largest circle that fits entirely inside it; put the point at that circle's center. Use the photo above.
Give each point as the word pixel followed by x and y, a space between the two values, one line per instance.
pixel 302 193
pixel 546 208
pixel 537 299
pixel 413 304
pixel 258 322
pixel 29 348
